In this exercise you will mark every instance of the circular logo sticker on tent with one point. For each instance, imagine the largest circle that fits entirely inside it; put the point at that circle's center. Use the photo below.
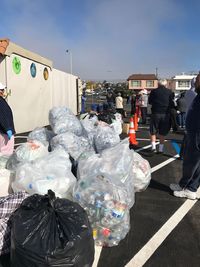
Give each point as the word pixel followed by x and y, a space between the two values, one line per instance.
pixel 46 74
pixel 16 65
pixel 33 70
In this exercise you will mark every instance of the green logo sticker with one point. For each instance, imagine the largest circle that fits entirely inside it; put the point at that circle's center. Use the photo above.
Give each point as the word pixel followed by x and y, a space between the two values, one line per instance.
pixel 16 65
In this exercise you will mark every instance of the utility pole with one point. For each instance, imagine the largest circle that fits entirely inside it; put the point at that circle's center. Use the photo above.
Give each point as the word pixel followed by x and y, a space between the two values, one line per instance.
pixel 156 72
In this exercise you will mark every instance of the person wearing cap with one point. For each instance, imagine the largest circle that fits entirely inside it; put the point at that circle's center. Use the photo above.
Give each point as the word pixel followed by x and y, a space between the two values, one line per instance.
pixel 7 129
pixel 190 180
pixel 160 100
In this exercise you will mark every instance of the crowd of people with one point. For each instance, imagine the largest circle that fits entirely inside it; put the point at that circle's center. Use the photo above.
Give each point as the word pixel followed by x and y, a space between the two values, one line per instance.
pixel 139 102
pixel 178 113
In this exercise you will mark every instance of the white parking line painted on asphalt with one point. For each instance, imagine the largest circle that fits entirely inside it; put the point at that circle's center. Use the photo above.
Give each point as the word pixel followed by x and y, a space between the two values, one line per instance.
pixel 97 255
pixel 164 163
pixel 143 127
pixel 152 245
pixel 143 139
pixel 145 147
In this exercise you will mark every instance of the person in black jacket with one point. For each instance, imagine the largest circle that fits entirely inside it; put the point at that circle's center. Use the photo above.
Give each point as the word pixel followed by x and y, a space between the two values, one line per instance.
pixel 160 100
pixel 190 181
pixel 110 99
pixel 133 104
pixel 7 129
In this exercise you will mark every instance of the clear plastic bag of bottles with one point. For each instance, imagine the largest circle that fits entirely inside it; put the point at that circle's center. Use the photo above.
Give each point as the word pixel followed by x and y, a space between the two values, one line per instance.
pixel 50 172
pixel 115 166
pixel 74 145
pixel 117 123
pixel 105 137
pixel 105 204
pixel 108 235
pixel 41 134
pixel 90 126
pixel 63 120
pixel 141 172
pixel 26 152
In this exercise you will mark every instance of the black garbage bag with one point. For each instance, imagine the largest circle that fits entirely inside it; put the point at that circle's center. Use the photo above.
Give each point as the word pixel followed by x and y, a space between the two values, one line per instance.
pixel 106 116
pixel 50 231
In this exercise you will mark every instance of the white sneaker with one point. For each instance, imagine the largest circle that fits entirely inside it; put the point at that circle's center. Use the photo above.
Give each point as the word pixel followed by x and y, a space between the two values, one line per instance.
pixel 175 187
pixel 185 193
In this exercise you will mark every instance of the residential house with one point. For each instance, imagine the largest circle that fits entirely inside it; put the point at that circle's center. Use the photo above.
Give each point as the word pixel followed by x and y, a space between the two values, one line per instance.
pixel 141 81
pixel 182 82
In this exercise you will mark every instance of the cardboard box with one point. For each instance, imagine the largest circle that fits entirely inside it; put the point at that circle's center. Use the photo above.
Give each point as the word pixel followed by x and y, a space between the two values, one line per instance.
pixel 125 128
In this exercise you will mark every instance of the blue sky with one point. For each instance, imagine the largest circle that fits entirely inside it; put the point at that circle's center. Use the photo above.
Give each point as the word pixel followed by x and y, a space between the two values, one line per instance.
pixel 109 39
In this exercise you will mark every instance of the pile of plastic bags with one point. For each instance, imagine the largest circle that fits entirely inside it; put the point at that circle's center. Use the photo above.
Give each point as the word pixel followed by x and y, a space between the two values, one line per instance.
pixel 82 161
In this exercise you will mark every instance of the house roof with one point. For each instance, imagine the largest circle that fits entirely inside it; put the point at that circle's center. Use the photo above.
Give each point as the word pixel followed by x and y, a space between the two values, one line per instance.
pixel 7 48
pixel 142 77
pixel 183 77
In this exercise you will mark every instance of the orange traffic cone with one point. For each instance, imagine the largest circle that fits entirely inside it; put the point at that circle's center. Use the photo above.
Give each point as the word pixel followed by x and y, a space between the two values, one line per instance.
pixel 132 135
pixel 136 121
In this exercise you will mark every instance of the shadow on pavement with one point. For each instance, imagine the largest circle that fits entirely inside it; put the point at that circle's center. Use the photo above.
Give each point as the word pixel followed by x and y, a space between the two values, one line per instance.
pixel 158 186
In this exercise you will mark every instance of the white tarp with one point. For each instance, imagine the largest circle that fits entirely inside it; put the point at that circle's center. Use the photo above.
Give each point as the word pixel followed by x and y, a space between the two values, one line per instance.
pixel 64 90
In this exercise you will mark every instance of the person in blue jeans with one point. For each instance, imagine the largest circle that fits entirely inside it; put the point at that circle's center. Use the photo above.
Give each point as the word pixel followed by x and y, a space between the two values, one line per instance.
pixel 181 108
pixel 190 180
pixel 189 97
